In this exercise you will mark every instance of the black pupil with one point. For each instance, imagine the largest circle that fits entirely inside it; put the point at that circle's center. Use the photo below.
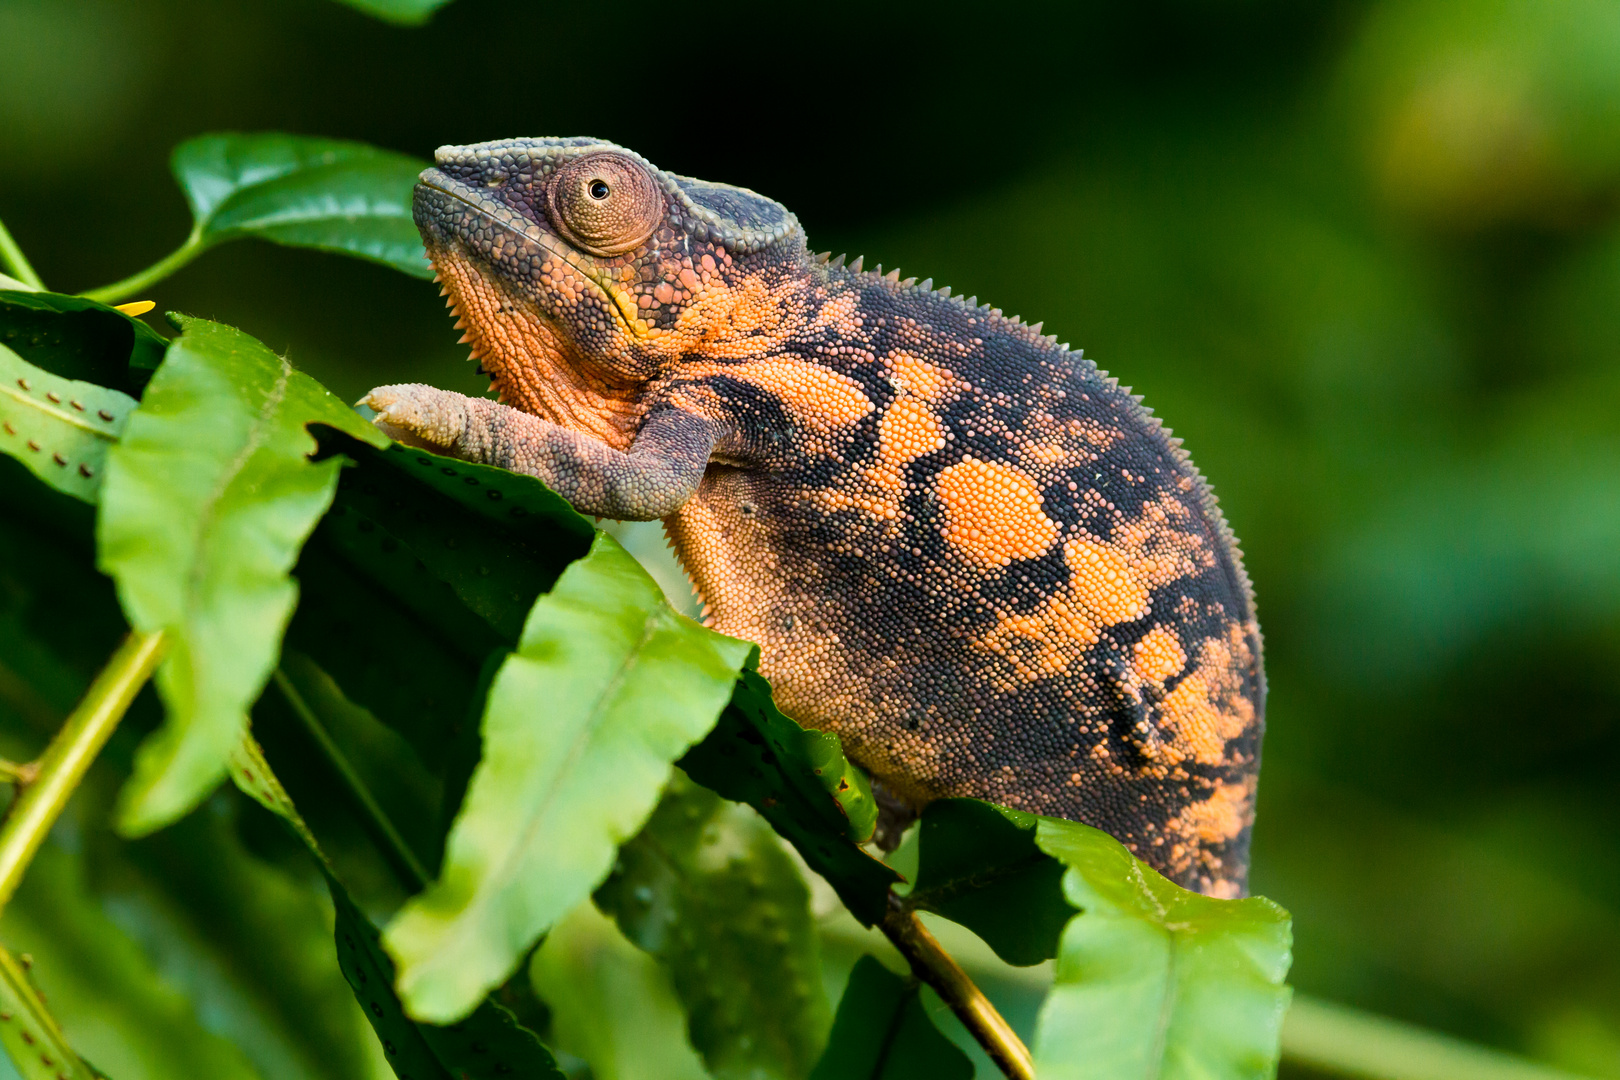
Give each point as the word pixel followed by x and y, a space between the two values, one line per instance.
pixel 599 189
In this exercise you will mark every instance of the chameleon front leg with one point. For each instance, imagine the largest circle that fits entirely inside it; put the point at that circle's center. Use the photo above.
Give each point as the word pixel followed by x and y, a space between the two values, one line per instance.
pixel 651 480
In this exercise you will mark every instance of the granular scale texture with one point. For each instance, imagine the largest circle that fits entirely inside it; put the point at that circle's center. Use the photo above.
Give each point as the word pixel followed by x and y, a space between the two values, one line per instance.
pixel 960 545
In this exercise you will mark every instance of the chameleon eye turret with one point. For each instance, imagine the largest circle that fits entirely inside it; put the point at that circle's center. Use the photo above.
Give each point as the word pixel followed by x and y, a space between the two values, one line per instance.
pixel 605 204
pixel 959 544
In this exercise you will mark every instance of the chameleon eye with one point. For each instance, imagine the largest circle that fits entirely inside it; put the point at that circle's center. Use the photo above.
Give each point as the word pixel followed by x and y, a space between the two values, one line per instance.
pixel 605 204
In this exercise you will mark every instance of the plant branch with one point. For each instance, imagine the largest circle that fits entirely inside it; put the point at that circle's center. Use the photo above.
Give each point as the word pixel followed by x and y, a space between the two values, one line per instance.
pixel 934 966
pixel 75 746
pixel 31 1036
pixel 1343 1041
pixel 144 279
pixel 19 773
pixel 394 848
pixel 12 258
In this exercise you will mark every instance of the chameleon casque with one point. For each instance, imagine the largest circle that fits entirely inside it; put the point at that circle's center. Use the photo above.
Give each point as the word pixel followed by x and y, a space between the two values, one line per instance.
pixel 959 544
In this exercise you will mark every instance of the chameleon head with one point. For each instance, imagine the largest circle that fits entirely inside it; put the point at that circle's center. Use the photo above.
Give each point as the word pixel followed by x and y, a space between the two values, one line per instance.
pixel 575 262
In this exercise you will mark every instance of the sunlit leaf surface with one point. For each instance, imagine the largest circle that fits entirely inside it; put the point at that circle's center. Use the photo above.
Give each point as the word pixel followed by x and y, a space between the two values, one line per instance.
pixel 607 687
pixel 1154 981
pixel 60 428
pixel 208 498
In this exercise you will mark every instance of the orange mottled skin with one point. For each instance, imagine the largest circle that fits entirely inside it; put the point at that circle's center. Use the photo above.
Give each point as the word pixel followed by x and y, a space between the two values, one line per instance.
pixel 959 544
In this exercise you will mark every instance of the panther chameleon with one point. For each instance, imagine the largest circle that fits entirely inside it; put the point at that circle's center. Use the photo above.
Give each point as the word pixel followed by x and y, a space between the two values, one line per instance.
pixel 958 543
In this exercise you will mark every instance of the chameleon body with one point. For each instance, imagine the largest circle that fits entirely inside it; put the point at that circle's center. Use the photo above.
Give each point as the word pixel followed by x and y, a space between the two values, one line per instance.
pixel 960 545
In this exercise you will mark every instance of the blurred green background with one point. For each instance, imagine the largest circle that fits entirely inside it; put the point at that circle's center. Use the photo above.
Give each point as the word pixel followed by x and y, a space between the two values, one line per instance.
pixel 1364 257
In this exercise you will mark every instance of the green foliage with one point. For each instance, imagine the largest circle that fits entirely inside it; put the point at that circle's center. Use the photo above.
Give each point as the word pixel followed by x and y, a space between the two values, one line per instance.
pixel 1363 257
pixel 485 1045
pixel 406 797
pixel 403 12
pixel 882 1032
pixel 611 1004
pixel 321 193
pixel 1156 981
pixel 478 672
pixel 60 428
pixel 29 1033
pixel 244 944
pixel 79 339
pixel 979 865
pixel 497 540
pixel 208 497
pixel 800 782
pixel 706 888
pixel 184 955
pixel 627 686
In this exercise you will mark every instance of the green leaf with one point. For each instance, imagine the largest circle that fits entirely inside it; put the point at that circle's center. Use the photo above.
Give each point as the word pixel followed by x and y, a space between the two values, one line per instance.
pixel 78 338
pixel 495 539
pixel 403 12
pixel 117 1006
pixel 425 567
pixel 707 889
pixel 1156 981
pixel 799 781
pixel 321 193
pixel 29 1033
pixel 882 1032
pixel 608 686
pixel 60 428
pixel 386 656
pixel 59 619
pixel 979 866
pixel 487 1045
pixel 208 498
pixel 406 794
pixel 611 1004
pixel 246 941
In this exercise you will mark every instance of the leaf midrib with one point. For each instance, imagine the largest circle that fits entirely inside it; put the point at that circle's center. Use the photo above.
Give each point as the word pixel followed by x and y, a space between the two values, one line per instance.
pixel 210 508
pixel 1167 1001
pixel 498 882
pixel 61 415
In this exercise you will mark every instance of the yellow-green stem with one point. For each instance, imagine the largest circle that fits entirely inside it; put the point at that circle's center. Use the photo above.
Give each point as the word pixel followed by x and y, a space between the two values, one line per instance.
pixel 15 262
pixel 139 282
pixel 936 967
pixel 75 746
pixel 19 773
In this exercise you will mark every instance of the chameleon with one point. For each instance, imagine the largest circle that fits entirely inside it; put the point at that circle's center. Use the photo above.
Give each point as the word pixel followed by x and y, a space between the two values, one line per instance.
pixel 959 544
